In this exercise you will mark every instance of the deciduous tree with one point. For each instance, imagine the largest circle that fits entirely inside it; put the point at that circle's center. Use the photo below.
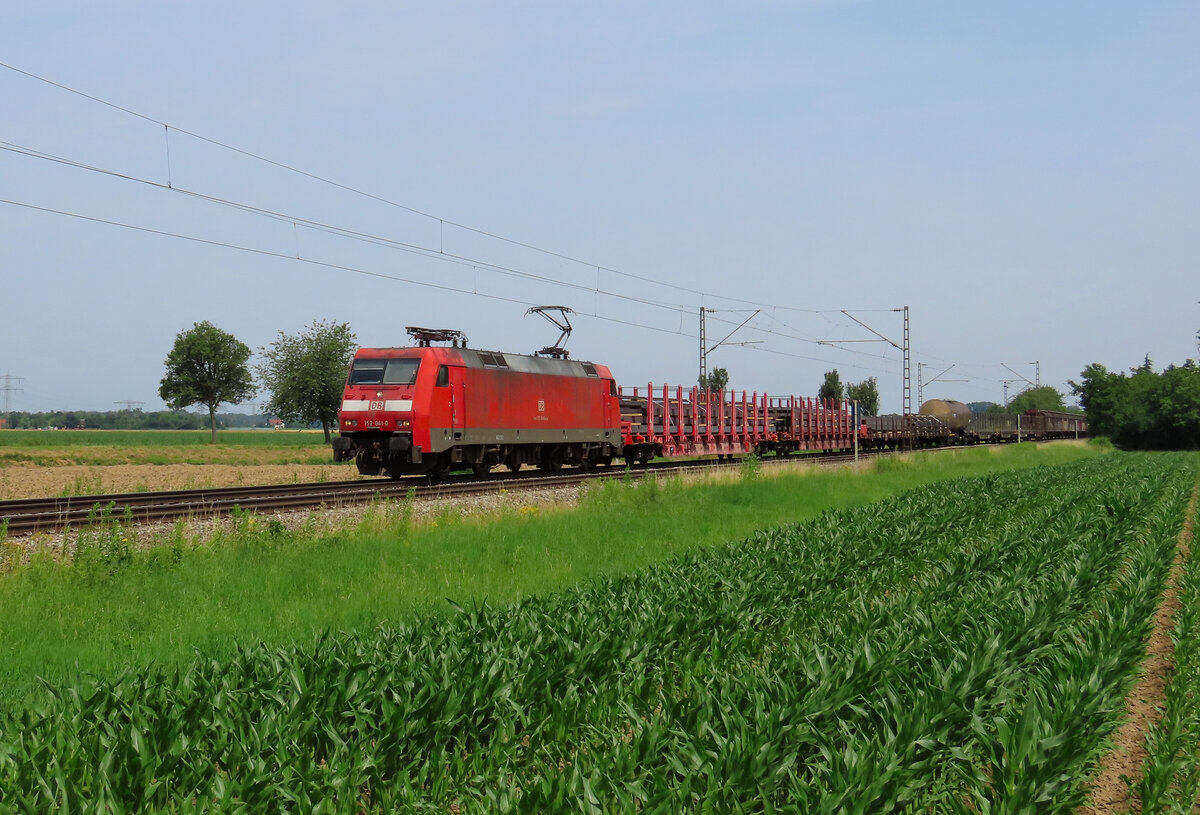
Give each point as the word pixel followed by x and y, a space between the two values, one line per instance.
pixel 866 393
pixel 717 379
pixel 1043 398
pixel 306 373
pixel 206 366
pixel 831 388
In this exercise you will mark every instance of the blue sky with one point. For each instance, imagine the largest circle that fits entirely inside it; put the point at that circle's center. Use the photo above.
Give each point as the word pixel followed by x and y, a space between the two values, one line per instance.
pixel 1023 176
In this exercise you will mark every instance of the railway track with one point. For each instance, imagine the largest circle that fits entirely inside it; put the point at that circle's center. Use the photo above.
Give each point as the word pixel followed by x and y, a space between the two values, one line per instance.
pixel 29 516
pixel 32 515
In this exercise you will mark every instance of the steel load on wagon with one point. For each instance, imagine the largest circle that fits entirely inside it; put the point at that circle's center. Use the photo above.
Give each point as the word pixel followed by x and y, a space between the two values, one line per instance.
pixel 671 421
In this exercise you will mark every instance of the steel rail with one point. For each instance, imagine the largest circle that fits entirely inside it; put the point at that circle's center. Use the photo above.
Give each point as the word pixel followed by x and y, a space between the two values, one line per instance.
pixel 27 516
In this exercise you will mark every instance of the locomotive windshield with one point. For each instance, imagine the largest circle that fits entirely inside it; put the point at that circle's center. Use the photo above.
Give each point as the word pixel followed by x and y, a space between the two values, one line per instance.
pixel 384 371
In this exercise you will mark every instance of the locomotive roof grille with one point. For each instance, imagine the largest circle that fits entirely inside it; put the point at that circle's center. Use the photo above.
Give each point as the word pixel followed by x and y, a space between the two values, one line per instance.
pixel 522 363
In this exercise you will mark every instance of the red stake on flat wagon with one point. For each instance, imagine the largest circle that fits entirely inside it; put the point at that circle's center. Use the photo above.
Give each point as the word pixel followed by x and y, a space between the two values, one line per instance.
pixel 679 428
pixel 695 415
pixel 754 425
pixel 650 410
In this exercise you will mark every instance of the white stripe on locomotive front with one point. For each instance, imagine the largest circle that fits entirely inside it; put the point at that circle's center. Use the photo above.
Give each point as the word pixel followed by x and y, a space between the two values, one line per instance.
pixel 352 405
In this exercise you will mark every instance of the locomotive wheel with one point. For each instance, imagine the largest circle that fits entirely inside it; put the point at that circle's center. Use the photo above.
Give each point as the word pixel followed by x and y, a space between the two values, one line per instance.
pixel 440 470
pixel 365 465
pixel 552 461
pixel 481 469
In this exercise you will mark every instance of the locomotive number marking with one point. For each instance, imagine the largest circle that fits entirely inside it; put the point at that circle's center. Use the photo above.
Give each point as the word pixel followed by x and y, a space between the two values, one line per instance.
pixel 541 406
pixel 381 423
pixel 375 405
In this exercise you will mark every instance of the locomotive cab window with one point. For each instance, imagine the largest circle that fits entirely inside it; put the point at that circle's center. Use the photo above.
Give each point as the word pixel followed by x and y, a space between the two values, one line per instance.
pixel 402 371
pixel 443 376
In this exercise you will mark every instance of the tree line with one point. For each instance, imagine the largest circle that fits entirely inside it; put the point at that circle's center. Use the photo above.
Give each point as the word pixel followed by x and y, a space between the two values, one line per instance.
pixel 1143 409
pixel 126 420
pixel 104 420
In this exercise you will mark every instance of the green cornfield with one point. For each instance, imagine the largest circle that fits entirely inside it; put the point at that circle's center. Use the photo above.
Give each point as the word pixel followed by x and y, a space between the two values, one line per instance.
pixel 964 647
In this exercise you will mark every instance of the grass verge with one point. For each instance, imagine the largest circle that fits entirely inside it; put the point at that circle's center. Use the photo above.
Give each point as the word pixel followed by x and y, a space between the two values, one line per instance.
pixel 113 607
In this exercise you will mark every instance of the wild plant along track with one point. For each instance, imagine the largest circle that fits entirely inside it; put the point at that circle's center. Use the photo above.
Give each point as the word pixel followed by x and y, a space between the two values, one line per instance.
pixel 963 648
pixel 25 516
pixel 29 515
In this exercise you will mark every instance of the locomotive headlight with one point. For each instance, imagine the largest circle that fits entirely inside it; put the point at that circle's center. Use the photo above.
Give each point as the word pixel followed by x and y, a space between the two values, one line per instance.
pixel 350 423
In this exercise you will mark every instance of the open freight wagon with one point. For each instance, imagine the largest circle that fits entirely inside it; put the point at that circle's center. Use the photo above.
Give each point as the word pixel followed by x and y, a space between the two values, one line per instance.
pixel 661 422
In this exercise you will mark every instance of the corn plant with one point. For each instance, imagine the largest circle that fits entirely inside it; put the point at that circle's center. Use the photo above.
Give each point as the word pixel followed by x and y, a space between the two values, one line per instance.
pixel 1170 780
pixel 932 652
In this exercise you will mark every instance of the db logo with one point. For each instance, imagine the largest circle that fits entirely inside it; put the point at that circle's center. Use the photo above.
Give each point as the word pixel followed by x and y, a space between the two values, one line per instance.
pixel 375 405
pixel 541 406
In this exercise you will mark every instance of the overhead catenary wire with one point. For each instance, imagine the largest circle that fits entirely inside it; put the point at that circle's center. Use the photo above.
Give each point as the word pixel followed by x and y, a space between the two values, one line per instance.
pixel 413 281
pixel 429 252
pixel 378 198
pixel 312 261
pixel 296 221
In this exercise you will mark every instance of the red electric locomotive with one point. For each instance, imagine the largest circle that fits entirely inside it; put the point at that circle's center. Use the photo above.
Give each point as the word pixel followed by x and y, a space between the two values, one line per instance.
pixel 432 409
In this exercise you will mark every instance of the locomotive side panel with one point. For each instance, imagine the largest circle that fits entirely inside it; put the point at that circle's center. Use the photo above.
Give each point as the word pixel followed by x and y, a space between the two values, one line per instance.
pixel 442 406
pixel 513 407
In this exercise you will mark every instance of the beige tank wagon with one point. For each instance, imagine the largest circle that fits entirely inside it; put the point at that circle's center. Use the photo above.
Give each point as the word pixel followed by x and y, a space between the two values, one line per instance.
pixel 954 415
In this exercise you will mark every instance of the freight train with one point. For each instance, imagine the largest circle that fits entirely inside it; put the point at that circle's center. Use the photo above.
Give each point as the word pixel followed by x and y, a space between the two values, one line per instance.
pixel 944 421
pixel 431 409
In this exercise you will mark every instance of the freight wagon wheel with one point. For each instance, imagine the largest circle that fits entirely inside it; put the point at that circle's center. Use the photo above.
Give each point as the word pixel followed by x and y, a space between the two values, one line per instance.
pixel 481 469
